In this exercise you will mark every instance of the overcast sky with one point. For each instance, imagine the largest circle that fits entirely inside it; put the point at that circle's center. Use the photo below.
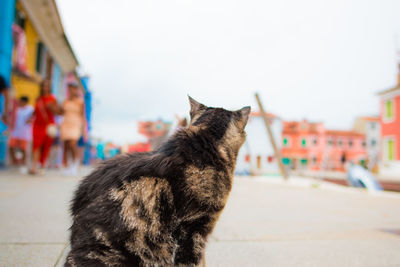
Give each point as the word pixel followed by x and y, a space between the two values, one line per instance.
pixel 320 60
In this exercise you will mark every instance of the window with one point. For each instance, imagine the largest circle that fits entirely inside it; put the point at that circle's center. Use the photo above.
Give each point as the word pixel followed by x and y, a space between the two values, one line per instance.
pixel 372 125
pixel 314 160
pixel 285 141
pixel 303 142
pixel 390 149
pixel 258 162
pixel 315 141
pixel 39 55
pixel 373 142
pixel 340 142
pixel 364 144
pixel 389 107
pixel 303 161
pixel 363 163
pixel 330 142
pixel 286 161
pixel 350 143
pixel 19 19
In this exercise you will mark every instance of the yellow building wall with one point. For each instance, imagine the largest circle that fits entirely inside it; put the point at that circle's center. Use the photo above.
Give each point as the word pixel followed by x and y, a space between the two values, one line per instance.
pixel 24 86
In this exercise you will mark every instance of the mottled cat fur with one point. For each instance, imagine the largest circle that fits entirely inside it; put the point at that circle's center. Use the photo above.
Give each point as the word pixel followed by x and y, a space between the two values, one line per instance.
pixel 158 208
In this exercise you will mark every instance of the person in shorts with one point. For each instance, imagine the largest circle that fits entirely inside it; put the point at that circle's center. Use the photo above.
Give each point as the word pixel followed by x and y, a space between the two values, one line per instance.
pixel 72 127
pixel 21 133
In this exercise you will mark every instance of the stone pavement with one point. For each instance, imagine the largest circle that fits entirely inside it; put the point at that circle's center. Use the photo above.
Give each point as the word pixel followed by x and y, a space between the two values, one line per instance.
pixel 267 222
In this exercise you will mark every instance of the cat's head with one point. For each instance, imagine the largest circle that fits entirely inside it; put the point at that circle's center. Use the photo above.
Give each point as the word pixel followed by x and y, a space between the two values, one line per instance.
pixel 225 126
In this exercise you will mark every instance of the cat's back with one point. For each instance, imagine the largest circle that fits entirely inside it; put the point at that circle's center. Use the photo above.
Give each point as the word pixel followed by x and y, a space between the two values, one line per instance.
pixel 109 174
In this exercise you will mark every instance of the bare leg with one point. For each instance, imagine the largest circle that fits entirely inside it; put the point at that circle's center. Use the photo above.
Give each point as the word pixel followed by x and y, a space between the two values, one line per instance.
pixel 23 160
pixel 35 161
pixel 81 153
pixel 65 154
pixel 74 149
pixel 45 150
pixel 13 157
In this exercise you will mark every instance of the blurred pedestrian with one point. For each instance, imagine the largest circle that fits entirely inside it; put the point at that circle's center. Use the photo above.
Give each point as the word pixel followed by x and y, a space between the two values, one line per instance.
pixel 72 127
pixel 44 128
pixel 21 133
pixel 100 151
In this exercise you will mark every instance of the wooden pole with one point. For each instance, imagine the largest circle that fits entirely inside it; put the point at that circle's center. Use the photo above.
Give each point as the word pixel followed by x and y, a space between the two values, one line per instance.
pixel 271 137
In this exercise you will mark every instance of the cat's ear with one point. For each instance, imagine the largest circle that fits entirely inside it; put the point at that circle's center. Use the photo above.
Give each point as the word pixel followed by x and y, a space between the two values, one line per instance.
pixel 195 107
pixel 244 115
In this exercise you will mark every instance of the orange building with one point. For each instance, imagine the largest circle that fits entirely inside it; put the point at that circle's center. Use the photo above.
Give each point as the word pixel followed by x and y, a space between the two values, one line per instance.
pixel 310 146
pixel 344 146
pixel 155 131
pixel 302 144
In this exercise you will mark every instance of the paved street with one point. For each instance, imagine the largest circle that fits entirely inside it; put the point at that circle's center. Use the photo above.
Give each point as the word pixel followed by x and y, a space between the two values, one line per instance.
pixel 267 222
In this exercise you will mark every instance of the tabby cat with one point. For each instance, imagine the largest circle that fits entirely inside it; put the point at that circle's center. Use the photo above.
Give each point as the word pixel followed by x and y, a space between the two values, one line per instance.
pixel 158 208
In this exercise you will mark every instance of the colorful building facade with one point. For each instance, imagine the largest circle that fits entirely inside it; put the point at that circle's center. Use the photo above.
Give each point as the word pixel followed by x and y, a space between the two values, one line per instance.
pixel 390 125
pixel 33 47
pixel 41 49
pixel 309 146
pixel 343 147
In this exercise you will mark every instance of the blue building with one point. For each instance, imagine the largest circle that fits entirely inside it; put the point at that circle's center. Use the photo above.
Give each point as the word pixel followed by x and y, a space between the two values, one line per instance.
pixel 7 8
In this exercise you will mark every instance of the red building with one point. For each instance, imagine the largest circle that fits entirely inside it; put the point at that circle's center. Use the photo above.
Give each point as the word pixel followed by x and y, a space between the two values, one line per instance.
pixel 310 146
pixel 390 123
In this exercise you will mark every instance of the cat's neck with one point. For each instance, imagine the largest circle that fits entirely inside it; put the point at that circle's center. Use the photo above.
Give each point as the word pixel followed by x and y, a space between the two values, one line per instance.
pixel 198 146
